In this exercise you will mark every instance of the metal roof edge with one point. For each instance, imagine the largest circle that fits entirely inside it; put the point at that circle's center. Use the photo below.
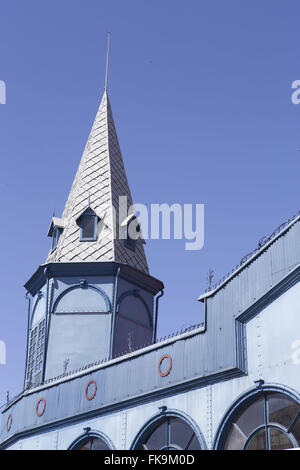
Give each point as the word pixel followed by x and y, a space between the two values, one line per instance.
pixel 249 261
pixel 87 268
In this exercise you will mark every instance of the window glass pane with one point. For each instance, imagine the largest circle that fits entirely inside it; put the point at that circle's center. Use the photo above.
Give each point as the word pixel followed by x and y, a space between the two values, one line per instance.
pixel 84 445
pixel 92 443
pixel 181 434
pixel 194 444
pixel 236 439
pixel 296 430
pixel 36 350
pixel 258 441
pixel 88 226
pixel 133 308
pixel 129 336
pixel 252 417
pixel 99 444
pixel 133 326
pixel 279 440
pixel 54 238
pixel 158 437
pixel 282 409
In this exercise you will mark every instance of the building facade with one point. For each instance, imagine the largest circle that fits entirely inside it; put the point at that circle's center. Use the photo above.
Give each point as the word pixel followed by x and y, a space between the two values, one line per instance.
pixel 97 378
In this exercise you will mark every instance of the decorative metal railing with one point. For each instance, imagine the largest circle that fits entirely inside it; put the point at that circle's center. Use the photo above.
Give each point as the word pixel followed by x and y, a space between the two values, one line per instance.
pixel 262 242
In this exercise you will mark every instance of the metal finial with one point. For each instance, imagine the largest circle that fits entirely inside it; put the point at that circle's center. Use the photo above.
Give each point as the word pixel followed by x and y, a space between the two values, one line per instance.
pixel 107 57
pixel 66 362
pixel 210 277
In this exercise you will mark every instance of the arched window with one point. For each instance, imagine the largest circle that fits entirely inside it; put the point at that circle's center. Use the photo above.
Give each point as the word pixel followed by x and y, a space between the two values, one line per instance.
pixel 90 442
pixel 133 325
pixel 168 433
pixel 78 325
pixel 268 421
pixel 82 299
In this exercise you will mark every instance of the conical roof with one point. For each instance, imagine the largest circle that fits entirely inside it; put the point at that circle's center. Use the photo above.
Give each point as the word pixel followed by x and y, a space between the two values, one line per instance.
pixel 99 182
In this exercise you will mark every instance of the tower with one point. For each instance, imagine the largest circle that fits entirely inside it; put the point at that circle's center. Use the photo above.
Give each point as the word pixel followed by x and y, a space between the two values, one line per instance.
pixel 93 299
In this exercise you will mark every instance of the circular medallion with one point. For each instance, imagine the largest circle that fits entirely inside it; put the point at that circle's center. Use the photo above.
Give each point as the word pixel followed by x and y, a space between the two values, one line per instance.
pixel 90 390
pixel 164 372
pixel 9 423
pixel 40 407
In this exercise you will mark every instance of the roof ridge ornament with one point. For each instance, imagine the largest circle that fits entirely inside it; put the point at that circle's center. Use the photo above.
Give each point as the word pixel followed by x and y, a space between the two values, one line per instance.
pixel 107 60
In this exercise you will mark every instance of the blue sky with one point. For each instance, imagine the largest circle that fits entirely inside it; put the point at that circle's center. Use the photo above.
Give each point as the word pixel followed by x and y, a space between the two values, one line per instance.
pixel 201 96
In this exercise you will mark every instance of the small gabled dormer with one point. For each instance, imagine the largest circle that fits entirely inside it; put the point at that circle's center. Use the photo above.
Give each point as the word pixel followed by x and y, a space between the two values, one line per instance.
pixel 131 231
pixel 55 231
pixel 88 223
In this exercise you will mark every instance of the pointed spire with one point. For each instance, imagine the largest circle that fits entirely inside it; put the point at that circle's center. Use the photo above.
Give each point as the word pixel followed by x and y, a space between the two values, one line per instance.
pixel 101 180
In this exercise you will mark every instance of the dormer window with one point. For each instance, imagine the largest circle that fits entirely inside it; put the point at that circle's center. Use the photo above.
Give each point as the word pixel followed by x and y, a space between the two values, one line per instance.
pixel 130 241
pixel 55 237
pixel 88 223
pixel 55 231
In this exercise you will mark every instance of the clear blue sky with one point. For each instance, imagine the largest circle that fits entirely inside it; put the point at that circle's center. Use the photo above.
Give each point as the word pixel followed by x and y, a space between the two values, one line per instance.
pixel 201 96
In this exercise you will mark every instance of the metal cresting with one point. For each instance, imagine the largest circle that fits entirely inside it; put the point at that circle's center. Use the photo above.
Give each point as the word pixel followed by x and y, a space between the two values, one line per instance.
pixel 2 92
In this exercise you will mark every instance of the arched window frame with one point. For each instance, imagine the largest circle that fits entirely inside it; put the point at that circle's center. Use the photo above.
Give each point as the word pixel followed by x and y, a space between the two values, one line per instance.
pixel 130 293
pixel 81 285
pixel 151 424
pixel 242 402
pixel 134 293
pixel 92 433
